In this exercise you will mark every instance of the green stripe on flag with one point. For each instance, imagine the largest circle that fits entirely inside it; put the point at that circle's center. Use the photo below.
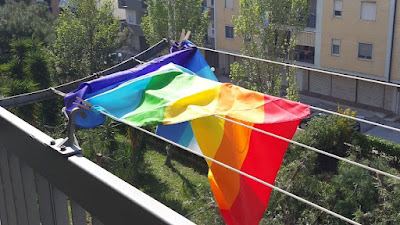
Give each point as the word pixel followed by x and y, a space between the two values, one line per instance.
pixel 162 89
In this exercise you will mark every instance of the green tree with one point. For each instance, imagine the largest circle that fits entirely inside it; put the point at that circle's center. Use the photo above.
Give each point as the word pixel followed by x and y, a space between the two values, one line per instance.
pixel 29 70
pixel 21 20
pixel 268 29
pixel 166 19
pixel 38 67
pixel 351 191
pixel 29 113
pixel 87 33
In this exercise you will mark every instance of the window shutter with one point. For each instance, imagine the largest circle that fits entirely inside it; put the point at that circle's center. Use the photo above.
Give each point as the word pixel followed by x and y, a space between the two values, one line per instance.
pixel 336 42
pixel 338 5
pixel 368 10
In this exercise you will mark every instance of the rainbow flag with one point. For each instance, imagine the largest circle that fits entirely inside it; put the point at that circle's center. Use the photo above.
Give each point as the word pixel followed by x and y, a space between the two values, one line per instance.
pixel 173 94
pixel 187 55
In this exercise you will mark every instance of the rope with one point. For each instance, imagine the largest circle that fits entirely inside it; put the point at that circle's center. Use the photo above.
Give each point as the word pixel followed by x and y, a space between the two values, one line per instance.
pixel 301 67
pixel 312 148
pixel 60 93
pixel 239 172
pixel 357 119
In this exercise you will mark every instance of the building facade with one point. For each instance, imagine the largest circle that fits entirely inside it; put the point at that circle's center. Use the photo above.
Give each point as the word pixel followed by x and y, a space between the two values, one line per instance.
pixel 355 37
pixel 134 11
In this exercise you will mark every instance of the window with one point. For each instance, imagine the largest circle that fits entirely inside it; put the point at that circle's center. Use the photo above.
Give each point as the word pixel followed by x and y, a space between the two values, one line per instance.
pixel 368 10
pixel 229 32
pixel 364 51
pixel 337 10
pixel 335 47
pixel 229 4
pixel 131 17
pixel 123 3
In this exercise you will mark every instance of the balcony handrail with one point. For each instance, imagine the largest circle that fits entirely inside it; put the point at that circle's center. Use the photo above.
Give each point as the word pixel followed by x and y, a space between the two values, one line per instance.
pixel 105 196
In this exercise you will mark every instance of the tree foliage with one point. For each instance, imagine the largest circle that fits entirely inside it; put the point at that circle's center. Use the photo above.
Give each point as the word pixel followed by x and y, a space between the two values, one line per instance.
pixel 351 191
pixel 22 20
pixel 268 29
pixel 28 70
pixel 87 35
pixel 166 19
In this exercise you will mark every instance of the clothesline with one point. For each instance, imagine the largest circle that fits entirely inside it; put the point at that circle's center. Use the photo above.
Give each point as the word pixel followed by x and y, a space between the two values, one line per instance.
pixel 312 149
pixel 254 173
pixel 301 67
pixel 315 149
pixel 321 71
pixel 356 119
pixel 238 171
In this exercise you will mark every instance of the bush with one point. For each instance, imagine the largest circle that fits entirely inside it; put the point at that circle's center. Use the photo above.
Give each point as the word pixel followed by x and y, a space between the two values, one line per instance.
pixel 368 144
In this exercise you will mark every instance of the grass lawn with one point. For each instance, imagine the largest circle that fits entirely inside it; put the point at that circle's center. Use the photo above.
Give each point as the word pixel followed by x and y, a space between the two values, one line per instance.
pixel 180 188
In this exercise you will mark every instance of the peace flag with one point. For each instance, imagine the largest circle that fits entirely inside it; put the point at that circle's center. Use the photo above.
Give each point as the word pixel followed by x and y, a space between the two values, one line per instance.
pixel 173 94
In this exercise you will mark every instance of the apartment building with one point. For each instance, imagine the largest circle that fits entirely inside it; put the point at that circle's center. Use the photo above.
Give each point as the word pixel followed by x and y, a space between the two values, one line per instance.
pixel 134 11
pixel 355 37
pixel 210 37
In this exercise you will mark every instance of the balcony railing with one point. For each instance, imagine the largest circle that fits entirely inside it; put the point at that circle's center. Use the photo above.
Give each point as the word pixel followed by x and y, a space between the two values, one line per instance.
pixel 136 5
pixel 306 56
pixel 211 13
pixel 210 42
pixel 43 183
pixel 122 3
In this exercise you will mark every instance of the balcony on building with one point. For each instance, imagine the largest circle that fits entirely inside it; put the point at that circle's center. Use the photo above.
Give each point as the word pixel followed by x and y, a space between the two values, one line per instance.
pixel 312 18
pixel 122 4
pixel 210 42
pixel 211 13
pixel 304 54
pixel 137 5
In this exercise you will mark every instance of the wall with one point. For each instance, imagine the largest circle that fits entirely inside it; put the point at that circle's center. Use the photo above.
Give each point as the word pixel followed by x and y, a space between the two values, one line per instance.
pixel 351 30
pixel 223 18
pixel 118 13
pixel 395 66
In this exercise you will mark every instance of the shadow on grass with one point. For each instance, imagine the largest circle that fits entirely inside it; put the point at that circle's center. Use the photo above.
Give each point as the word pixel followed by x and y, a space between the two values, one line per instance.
pixel 188 187
pixel 152 186
pixel 185 158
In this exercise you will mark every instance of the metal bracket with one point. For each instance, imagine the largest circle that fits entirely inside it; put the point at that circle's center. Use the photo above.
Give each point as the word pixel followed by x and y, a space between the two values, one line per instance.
pixel 69 146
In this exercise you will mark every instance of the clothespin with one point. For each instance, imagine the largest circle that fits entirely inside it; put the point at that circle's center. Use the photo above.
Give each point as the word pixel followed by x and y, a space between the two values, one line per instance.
pixel 86 105
pixel 187 35
pixel 183 37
